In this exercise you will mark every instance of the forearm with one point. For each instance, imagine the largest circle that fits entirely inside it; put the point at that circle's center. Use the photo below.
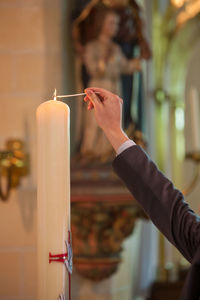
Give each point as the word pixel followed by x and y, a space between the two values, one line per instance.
pixel 163 203
pixel 142 179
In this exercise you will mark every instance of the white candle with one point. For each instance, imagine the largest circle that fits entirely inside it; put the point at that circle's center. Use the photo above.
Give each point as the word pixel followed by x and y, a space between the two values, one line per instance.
pixel 194 119
pixel 53 196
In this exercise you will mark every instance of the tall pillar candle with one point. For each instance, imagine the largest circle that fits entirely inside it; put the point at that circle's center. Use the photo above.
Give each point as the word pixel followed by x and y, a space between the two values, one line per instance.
pixel 53 197
pixel 194 119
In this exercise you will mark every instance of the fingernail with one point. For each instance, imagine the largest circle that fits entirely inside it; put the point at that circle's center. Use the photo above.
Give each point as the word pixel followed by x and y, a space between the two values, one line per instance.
pixel 89 92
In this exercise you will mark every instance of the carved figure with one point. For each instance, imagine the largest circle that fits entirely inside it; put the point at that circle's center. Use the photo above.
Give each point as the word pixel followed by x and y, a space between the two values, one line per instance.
pixel 105 64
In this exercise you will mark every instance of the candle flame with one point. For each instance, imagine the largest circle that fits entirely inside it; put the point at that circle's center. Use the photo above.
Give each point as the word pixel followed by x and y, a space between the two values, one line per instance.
pixel 54 95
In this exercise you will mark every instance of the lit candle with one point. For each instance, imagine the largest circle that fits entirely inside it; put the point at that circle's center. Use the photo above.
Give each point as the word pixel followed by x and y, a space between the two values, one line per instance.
pixel 53 196
pixel 194 119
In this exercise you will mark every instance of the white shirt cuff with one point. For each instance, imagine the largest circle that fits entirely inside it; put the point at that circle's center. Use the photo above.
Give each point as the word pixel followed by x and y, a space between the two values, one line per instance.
pixel 125 146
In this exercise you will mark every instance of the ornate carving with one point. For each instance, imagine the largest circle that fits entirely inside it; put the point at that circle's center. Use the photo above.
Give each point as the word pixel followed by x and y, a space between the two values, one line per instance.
pixel 103 215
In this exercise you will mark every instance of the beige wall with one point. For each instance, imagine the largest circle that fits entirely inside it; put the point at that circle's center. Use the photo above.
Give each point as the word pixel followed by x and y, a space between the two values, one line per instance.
pixel 30 67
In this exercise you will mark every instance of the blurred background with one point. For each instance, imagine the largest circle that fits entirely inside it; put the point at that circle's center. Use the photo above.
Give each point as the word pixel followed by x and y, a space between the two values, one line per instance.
pixel 43 46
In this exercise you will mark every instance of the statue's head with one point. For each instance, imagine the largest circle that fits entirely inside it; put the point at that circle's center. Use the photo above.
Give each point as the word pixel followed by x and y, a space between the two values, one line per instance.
pixel 99 15
pixel 107 22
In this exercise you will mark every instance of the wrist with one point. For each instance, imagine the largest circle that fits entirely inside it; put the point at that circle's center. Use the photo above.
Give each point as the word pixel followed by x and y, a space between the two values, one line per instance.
pixel 116 137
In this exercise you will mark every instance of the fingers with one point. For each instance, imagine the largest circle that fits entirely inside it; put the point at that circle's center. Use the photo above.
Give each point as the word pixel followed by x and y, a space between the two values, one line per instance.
pixel 103 94
pixel 97 96
pixel 93 98
pixel 86 98
pixel 90 105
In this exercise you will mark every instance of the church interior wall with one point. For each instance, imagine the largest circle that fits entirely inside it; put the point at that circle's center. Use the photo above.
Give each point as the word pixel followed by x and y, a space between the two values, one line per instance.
pixel 33 62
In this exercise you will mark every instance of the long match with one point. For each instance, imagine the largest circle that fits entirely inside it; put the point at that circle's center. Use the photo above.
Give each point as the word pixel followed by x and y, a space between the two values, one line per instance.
pixel 68 96
pixel 73 95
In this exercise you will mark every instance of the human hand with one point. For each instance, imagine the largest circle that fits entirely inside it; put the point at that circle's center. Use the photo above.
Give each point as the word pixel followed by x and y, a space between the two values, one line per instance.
pixel 108 113
pixel 108 108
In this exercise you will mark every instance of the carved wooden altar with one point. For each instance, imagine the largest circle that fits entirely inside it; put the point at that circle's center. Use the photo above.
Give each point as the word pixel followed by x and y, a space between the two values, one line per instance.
pixel 103 215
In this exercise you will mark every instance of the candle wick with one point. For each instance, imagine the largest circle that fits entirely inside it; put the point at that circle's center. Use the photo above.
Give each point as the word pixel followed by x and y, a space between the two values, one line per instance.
pixel 54 95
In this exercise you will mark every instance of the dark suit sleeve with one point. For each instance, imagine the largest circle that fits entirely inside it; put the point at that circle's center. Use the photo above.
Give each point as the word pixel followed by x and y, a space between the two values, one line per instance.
pixel 162 202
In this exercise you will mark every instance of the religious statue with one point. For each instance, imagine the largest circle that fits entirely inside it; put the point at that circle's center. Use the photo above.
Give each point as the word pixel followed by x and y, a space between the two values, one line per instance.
pixel 105 34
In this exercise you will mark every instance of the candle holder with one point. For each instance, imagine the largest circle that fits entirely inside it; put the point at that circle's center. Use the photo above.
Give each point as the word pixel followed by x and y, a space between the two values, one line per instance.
pixel 195 157
pixel 13 165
